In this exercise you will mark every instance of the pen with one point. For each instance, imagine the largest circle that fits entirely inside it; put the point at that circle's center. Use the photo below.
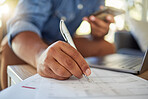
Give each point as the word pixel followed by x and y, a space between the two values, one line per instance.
pixel 66 35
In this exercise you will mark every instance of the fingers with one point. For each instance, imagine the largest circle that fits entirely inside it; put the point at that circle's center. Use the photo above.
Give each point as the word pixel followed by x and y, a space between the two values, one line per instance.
pixel 68 63
pixel 99 28
pixel 97 23
pixel 100 23
pixel 58 69
pixel 77 57
pixel 99 32
pixel 60 60
pixel 48 73
pixel 110 19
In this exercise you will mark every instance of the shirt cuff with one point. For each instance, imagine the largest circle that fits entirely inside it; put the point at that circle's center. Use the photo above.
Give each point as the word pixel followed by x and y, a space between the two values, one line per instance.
pixel 19 27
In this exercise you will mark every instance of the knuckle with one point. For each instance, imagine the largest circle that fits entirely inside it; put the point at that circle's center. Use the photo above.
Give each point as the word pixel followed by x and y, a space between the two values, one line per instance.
pixel 59 42
pixel 52 50
pixel 69 63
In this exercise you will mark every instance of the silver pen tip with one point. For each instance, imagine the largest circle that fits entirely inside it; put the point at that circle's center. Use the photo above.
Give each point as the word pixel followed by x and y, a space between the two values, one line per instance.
pixel 86 77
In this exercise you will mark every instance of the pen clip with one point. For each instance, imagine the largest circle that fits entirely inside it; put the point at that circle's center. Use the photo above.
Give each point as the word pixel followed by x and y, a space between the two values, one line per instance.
pixel 61 30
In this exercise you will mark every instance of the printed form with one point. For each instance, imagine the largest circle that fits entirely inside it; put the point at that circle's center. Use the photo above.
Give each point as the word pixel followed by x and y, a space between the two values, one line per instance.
pixel 103 84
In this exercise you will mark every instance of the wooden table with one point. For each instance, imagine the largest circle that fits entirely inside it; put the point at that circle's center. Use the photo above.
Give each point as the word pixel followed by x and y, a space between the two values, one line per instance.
pixel 144 75
pixel 18 73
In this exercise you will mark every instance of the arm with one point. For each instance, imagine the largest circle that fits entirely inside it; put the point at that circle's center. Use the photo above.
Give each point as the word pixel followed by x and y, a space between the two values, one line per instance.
pixel 27 48
pixel 99 28
pixel 59 60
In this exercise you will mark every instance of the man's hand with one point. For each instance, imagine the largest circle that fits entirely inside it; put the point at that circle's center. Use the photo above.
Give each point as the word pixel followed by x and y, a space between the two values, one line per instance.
pixel 99 28
pixel 60 61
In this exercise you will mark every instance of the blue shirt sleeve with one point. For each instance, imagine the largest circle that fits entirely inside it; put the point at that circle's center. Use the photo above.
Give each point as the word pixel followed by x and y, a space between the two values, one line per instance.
pixel 30 15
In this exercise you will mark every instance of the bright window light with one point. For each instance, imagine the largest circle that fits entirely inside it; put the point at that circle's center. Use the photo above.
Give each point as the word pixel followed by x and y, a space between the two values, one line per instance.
pixel 0 23
pixel 115 3
pixel 84 28
pixel 4 9
pixel 119 22
pixel 2 1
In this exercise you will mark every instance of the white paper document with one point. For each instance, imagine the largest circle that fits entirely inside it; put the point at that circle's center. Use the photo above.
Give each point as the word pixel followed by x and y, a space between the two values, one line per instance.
pixel 24 90
pixel 103 84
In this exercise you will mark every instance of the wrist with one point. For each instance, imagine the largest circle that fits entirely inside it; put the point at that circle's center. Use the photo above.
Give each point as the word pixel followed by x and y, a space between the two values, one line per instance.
pixel 39 52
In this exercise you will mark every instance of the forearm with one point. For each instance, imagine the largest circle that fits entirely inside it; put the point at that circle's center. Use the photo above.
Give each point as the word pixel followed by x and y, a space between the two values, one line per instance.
pixel 90 48
pixel 28 46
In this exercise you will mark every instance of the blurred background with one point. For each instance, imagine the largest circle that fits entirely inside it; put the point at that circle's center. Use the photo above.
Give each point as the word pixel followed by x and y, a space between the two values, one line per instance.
pixel 7 8
pixel 130 30
pixel 136 10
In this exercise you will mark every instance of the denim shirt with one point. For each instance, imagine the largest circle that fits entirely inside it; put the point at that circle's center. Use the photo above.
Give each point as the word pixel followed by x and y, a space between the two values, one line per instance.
pixel 43 17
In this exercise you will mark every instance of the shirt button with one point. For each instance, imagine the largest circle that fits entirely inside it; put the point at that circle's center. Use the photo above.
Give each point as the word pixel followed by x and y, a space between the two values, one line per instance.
pixel 80 6
pixel 64 18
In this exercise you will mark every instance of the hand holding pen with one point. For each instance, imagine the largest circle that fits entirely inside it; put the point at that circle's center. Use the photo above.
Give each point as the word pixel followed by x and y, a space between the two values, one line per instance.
pixel 66 35
pixel 60 61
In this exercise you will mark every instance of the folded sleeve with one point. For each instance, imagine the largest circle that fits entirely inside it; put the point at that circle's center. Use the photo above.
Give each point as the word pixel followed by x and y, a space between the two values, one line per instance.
pixel 30 15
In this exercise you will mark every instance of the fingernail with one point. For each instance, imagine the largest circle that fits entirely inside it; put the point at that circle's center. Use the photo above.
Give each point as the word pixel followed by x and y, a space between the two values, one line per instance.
pixel 88 72
pixel 109 18
pixel 92 18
